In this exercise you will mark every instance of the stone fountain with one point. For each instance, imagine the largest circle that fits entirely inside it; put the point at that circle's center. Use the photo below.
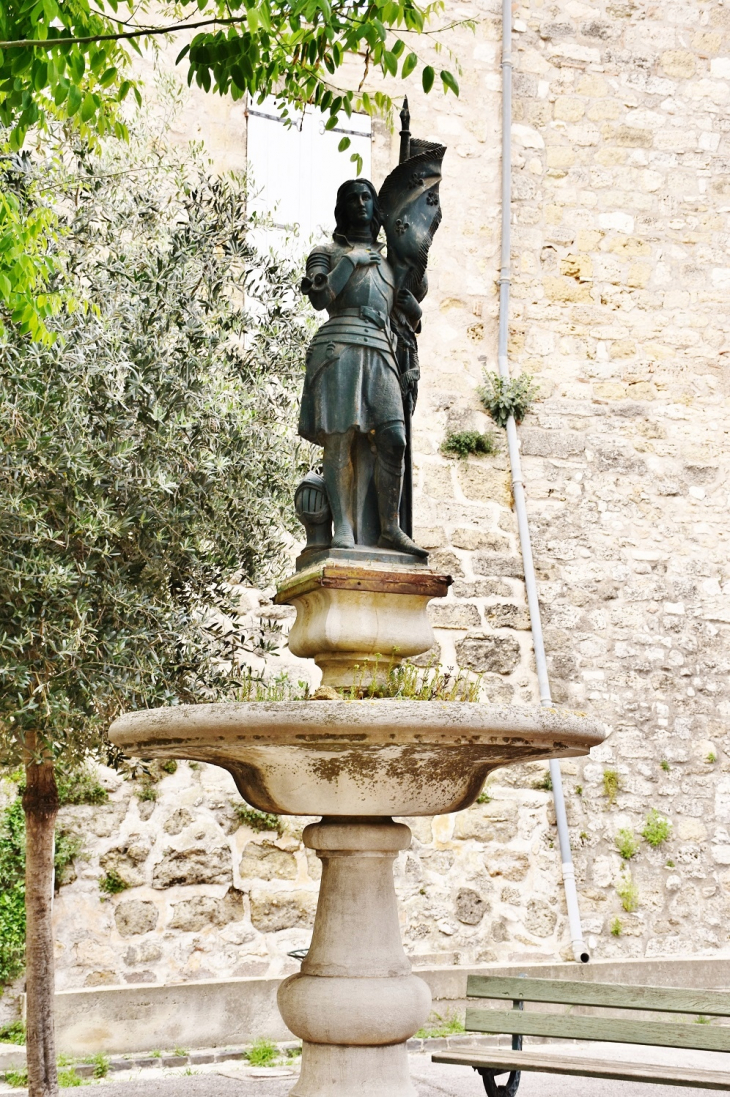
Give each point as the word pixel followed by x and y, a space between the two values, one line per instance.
pixel 361 592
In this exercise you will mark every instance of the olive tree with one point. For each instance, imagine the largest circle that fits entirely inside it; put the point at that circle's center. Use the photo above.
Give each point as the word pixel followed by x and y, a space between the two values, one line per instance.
pixel 147 458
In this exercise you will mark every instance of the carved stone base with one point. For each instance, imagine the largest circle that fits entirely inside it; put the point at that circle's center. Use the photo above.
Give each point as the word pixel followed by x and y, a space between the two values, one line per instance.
pixel 358 620
pixel 355 1001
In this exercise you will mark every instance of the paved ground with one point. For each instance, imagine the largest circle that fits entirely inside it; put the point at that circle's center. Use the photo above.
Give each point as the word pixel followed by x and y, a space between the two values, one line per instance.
pixel 431 1080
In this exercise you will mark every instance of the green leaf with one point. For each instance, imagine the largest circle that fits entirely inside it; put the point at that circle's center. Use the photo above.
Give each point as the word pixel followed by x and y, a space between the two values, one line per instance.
pixel 108 77
pixel 74 100
pixel 344 144
pixel 88 107
pixel 356 159
pixel 398 47
pixel 390 62
pixel 409 65
pixel 449 82
pixel 5 286
pixel 427 78
pixel 331 122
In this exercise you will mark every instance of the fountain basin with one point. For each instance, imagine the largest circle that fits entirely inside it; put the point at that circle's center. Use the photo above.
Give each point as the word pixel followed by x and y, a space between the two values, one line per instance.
pixel 357 758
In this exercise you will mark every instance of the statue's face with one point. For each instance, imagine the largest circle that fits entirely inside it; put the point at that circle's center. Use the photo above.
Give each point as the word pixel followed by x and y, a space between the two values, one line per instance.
pixel 359 206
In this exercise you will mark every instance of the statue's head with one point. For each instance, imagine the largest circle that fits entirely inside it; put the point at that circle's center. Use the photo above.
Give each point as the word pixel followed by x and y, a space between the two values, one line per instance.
pixel 357 207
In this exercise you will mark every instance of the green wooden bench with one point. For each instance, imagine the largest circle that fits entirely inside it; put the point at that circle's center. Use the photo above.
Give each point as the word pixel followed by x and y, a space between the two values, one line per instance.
pixel 628 1029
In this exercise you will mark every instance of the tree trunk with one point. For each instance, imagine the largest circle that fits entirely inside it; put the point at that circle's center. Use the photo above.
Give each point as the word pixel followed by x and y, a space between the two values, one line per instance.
pixel 40 804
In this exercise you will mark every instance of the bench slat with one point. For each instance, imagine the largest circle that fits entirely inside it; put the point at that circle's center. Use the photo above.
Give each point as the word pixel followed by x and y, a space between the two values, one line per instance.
pixel 568 1027
pixel 588 1068
pixel 610 995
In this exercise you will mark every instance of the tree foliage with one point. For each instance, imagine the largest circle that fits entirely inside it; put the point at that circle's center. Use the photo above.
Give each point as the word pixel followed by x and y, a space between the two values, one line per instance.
pixel 146 456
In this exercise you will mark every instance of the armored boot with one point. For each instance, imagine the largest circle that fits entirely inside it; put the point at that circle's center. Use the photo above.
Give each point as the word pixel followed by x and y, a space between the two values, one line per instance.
pixel 389 479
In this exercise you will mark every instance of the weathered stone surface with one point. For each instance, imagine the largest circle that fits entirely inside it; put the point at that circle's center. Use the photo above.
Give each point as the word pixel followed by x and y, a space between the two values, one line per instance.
pixel 509 863
pixel 193 866
pixel 127 860
pixel 508 616
pixel 133 916
pixel 540 918
pixel 495 564
pixel 274 911
pixel 195 914
pixel 483 652
pixel 458 615
pixel 177 822
pixel 493 822
pixel 265 861
pixel 470 907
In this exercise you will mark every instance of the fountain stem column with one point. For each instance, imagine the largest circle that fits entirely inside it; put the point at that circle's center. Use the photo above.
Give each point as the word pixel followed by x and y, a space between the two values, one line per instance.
pixel 355 1001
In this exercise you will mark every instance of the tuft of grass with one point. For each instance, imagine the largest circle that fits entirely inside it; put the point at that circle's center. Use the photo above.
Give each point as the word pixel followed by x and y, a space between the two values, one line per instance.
pixel 170 766
pixel 263 1053
pixel 628 893
pixel 156 1054
pixel 611 785
pixel 464 443
pixel 68 1078
pixel 578 790
pixel 702 1020
pixel 584 836
pixel 711 758
pixel 484 798
pixel 545 783
pixel 112 883
pixel 503 397
pixel 181 1052
pixel 656 828
pixel 439 1026
pixel 14 1033
pixel 101 1065
pixel 258 820
pixel 146 791
pixel 665 765
pixel 671 864
pixel 616 927
pixel 627 843
pixel 18 1079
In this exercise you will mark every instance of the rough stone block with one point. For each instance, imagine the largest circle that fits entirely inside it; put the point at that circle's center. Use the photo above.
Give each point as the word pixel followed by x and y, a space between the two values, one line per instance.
pixel 192 915
pixel 508 616
pixel 193 866
pixel 484 652
pixel 470 907
pixel 133 916
pixel 681 64
pixel 485 483
pixel 274 911
pixel 473 539
pixel 454 615
pixel 497 564
pixel 540 918
pixel 265 861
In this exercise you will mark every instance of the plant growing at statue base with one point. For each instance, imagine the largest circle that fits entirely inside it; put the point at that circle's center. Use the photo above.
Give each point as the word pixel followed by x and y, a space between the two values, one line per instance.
pixel 465 443
pixel 657 829
pixel 503 397
pixel 262 1053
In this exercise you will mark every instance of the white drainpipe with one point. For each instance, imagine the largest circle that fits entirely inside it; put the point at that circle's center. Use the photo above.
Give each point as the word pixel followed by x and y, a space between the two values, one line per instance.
pixel 580 950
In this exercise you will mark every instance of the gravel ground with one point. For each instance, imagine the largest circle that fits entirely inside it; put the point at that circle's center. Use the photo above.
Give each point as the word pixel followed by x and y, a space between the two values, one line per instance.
pixel 430 1079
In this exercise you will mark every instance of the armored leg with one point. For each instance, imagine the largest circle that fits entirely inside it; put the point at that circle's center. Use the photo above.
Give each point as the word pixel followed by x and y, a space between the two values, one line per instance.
pixel 390 442
pixel 338 477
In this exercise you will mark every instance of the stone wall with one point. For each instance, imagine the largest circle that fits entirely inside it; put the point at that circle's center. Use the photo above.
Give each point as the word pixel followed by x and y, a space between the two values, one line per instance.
pixel 621 275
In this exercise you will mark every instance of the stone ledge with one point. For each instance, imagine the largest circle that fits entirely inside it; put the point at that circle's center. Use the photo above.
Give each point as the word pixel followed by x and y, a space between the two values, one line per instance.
pixel 235 1012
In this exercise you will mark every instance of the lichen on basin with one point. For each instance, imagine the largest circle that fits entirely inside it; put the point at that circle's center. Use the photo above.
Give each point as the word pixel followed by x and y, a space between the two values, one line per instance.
pixel 368 758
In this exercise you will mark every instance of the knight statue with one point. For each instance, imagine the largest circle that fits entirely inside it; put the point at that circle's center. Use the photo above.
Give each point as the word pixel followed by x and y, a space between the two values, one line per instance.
pixel 362 369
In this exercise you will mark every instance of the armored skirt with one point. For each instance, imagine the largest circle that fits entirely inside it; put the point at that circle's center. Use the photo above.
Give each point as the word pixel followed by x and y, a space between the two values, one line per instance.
pixel 348 385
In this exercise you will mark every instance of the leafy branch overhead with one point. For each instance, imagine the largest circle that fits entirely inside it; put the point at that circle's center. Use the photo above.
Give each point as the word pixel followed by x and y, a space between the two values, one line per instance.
pixel 69 58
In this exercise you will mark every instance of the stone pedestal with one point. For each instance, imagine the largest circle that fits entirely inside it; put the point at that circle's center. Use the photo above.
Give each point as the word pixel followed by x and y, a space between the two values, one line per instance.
pixel 358 620
pixel 355 1001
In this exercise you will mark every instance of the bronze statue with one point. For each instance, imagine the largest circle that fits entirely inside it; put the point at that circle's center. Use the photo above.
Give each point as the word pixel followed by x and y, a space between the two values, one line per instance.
pixel 362 370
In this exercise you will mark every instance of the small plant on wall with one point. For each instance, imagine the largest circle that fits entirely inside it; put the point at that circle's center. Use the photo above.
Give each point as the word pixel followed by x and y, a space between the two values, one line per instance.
pixel 627 843
pixel 628 893
pixel 503 397
pixel 656 829
pixel 464 443
pixel 611 785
